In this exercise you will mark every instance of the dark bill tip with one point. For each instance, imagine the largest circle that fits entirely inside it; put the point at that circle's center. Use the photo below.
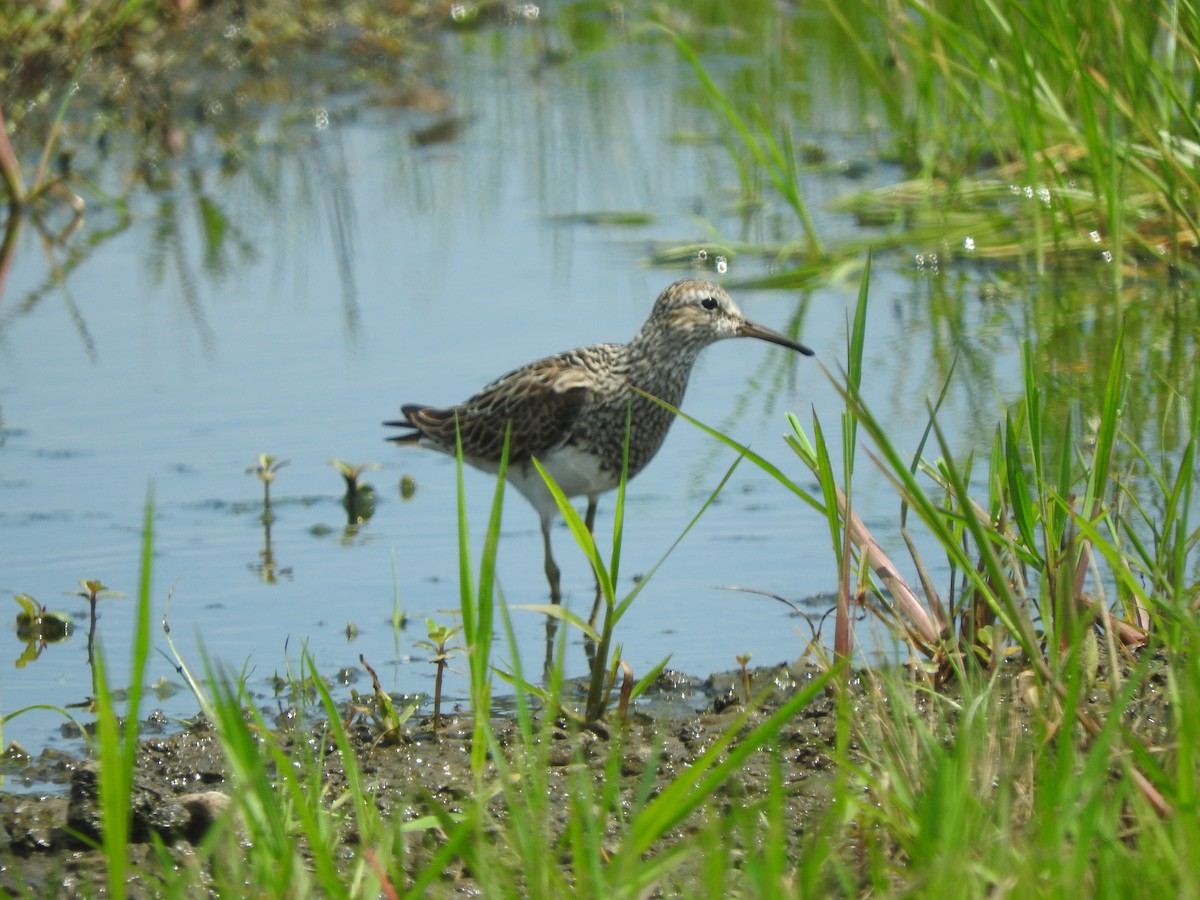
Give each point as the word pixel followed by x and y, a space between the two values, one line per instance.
pixel 754 330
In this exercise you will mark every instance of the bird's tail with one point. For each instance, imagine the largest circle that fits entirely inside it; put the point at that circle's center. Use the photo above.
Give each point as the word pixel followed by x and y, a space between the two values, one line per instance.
pixel 414 435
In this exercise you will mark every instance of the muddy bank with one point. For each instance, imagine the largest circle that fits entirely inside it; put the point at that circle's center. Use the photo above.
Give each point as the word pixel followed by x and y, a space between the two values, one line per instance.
pixel 181 784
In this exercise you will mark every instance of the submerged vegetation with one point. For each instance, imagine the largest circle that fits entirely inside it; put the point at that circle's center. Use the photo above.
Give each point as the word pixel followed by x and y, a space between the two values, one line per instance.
pixel 1037 742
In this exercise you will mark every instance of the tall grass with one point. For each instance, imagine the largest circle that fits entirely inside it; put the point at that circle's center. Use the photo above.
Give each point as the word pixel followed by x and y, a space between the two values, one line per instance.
pixel 477 606
pixel 1044 132
pixel 116 735
pixel 1079 119
pixel 1072 559
pixel 755 142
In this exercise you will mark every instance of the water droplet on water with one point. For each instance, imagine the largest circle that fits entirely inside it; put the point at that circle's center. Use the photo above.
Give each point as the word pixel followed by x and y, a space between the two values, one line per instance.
pixel 701 255
pixel 722 265
pixel 1095 236
pixel 1107 254
pixel 321 118
pixel 969 244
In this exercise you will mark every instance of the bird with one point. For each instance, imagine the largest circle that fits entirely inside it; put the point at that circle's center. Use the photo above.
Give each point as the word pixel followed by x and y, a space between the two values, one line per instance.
pixel 570 411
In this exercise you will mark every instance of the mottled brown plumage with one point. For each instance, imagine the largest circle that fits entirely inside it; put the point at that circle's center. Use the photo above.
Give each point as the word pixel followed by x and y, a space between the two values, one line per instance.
pixel 569 410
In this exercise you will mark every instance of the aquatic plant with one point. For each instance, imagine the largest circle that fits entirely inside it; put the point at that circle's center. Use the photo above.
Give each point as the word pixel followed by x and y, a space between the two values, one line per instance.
pixel 438 643
pixel 93 592
pixel 266 470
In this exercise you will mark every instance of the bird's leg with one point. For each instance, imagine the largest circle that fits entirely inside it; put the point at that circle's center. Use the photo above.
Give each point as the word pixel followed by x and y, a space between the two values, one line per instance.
pixel 590 521
pixel 552 576
pixel 552 571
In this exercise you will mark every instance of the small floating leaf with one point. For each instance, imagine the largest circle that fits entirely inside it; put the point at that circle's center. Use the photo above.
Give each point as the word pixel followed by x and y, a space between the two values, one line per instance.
pixel 605 219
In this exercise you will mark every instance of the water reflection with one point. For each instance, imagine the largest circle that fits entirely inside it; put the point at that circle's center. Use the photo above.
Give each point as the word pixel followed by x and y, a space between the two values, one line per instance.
pixel 267 568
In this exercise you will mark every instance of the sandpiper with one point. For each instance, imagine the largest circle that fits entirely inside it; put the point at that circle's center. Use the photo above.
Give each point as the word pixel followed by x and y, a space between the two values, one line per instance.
pixel 569 411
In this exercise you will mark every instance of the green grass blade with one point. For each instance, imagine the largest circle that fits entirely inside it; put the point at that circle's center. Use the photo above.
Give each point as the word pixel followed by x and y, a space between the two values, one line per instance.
pixel 479 640
pixel 117 743
pixel 1018 487
pixel 580 532
pixel 558 611
pixel 719 762
pixel 744 451
pixel 619 510
pixel 1110 421
pixel 624 604
pixel 466 589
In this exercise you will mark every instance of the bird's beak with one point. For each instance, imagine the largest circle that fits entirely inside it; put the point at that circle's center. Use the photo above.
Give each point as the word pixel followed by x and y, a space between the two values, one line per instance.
pixel 754 330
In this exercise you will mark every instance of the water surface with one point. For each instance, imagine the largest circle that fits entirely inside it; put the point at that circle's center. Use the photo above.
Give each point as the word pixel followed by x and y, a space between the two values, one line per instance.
pixel 290 302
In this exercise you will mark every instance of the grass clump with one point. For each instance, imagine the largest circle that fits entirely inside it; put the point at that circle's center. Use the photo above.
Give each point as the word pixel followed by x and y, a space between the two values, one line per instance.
pixel 1042 133
pixel 1073 125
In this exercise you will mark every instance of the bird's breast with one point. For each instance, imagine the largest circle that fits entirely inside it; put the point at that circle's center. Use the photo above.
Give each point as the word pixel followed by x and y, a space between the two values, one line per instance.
pixel 577 470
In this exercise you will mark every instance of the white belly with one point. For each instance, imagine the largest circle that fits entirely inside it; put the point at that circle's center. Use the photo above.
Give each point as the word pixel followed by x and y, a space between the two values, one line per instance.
pixel 574 472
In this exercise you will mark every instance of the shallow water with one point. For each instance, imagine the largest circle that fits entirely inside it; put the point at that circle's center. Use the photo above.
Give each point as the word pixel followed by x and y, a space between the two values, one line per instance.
pixel 290 305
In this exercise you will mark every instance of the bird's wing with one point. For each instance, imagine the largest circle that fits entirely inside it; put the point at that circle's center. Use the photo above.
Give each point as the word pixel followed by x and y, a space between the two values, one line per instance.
pixel 542 401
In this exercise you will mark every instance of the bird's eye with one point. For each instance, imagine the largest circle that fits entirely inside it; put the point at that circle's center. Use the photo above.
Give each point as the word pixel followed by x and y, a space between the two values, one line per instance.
pixel 709 302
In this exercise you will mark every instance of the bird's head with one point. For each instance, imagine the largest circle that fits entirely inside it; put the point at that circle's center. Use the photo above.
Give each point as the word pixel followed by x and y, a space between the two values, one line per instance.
pixel 698 313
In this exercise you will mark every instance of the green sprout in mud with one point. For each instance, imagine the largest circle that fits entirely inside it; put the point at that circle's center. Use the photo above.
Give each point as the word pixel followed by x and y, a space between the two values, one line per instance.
pixel 381 708
pixel 300 691
pixel 439 637
pixel 743 659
